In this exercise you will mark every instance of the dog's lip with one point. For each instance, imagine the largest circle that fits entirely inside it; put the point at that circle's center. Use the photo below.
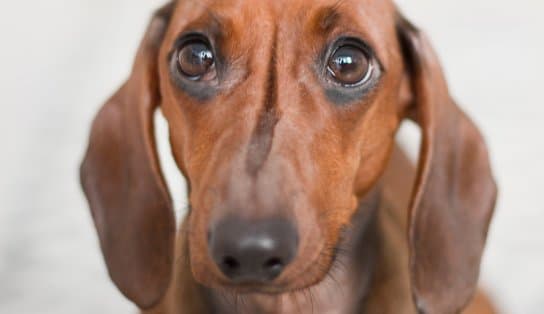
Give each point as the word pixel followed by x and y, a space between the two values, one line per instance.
pixel 254 288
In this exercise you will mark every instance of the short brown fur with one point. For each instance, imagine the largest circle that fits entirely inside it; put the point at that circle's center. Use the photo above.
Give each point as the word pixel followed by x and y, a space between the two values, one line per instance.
pixel 376 234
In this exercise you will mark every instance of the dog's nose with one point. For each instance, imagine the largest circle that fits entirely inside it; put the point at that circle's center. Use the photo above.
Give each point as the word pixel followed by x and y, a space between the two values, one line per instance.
pixel 253 251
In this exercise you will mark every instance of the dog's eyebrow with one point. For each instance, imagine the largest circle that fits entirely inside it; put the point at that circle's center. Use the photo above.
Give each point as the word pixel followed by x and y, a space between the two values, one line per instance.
pixel 217 22
pixel 210 22
pixel 326 18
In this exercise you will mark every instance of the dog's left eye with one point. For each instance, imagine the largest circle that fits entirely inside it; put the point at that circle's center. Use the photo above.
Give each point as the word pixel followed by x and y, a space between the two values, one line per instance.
pixel 350 65
pixel 196 61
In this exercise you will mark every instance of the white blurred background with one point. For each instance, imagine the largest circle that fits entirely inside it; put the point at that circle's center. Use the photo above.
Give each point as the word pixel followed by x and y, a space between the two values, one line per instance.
pixel 60 59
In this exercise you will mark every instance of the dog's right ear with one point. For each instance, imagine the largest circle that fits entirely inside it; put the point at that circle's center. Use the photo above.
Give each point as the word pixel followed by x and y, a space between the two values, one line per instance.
pixel 121 178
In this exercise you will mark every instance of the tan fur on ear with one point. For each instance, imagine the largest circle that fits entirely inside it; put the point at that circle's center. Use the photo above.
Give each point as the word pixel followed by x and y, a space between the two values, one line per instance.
pixel 455 193
pixel 121 178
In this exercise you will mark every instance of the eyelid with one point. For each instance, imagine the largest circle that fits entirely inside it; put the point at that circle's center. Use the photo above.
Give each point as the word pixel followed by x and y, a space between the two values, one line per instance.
pixel 361 43
pixel 188 36
pixel 352 41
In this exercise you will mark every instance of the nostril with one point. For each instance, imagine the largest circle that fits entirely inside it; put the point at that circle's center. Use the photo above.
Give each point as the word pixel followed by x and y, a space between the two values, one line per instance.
pixel 273 267
pixel 273 263
pixel 230 263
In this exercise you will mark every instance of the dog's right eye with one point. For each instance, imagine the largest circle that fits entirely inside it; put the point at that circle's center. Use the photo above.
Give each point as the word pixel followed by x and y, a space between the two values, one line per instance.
pixel 196 61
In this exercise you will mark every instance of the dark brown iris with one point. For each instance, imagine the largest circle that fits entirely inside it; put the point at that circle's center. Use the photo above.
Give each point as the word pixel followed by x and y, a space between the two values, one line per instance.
pixel 196 60
pixel 349 65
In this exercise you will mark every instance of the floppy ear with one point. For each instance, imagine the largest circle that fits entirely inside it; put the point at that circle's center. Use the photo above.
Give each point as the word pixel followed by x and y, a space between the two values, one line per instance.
pixel 120 174
pixel 454 194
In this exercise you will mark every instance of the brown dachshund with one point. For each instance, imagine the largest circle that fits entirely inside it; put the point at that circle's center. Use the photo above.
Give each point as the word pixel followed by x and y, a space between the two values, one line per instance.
pixel 282 117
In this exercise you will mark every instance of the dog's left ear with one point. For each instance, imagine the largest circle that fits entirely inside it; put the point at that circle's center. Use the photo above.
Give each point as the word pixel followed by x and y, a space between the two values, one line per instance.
pixel 121 177
pixel 454 193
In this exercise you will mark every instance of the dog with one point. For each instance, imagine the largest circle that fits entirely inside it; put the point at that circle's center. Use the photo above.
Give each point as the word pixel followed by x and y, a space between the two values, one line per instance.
pixel 282 117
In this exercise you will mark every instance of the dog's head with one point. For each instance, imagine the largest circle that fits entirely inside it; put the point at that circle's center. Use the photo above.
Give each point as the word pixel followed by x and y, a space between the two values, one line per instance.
pixel 282 115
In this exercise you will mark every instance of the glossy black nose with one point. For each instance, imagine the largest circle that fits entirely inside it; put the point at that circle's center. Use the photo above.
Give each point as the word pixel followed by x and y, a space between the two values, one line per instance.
pixel 253 251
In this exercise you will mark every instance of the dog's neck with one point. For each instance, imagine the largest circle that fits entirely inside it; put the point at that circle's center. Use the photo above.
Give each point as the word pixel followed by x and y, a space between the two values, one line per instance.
pixel 342 291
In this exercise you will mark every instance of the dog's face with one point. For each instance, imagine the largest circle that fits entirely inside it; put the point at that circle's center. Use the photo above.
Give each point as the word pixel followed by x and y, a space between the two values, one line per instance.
pixel 279 111
pixel 282 116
